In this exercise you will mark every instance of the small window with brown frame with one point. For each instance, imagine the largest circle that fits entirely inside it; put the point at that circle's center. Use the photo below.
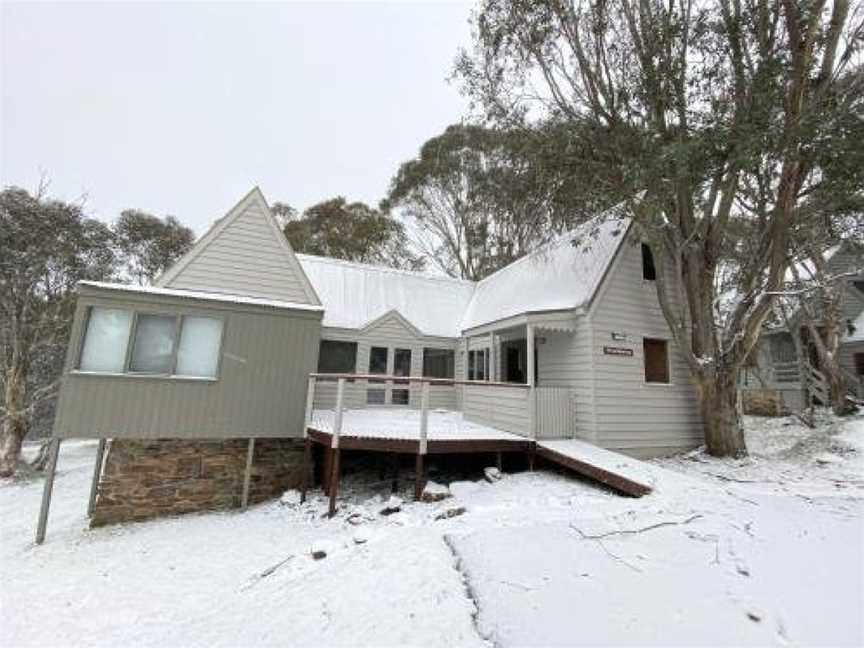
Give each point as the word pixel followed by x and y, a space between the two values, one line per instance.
pixel 859 363
pixel 656 353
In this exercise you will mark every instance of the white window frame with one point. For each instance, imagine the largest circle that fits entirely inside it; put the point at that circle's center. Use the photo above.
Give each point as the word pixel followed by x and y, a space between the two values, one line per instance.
pixel 178 327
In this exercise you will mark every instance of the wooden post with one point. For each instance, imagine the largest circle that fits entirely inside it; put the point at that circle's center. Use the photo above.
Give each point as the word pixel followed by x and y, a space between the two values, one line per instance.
pixel 423 444
pixel 307 467
pixel 47 489
pixel 493 374
pixel 97 472
pixel 247 475
pixel 334 445
pixel 532 379
pixel 394 472
pixel 310 400
pixel 307 443
pixel 334 482
pixel 499 461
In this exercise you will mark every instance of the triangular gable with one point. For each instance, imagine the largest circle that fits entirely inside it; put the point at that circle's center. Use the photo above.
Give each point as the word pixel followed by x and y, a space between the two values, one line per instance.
pixel 243 253
pixel 392 316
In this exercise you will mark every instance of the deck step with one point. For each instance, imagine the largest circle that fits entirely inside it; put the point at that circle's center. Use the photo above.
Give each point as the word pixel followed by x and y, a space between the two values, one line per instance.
pixel 624 474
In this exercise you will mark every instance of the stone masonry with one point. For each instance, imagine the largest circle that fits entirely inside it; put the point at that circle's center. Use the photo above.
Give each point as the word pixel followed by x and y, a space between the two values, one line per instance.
pixel 144 479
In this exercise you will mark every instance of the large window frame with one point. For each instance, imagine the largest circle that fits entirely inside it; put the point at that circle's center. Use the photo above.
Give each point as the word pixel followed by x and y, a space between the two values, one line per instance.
pixel 172 374
pixel 433 355
pixel 341 343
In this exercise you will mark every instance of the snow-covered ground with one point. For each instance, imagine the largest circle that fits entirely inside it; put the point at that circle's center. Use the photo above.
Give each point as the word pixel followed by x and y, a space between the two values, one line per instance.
pixel 768 550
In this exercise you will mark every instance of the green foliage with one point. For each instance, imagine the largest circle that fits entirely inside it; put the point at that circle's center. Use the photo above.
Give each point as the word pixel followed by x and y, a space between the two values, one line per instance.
pixel 351 231
pixel 148 245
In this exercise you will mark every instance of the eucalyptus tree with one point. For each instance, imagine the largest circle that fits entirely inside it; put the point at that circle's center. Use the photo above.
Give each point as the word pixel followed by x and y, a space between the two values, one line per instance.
pixel 479 198
pixel 46 247
pixel 696 114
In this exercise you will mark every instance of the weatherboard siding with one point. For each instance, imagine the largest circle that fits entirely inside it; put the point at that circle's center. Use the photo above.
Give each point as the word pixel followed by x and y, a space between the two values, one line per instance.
pixel 504 408
pixel 245 259
pixel 266 355
pixel 564 359
pixel 391 332
pixel 630 414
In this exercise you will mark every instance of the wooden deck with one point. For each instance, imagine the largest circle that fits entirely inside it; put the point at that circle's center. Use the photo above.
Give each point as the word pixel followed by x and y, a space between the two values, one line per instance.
pixel 398 431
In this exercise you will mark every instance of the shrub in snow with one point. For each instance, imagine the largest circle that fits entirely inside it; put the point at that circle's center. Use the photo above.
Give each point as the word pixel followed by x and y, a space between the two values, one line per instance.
pixel 491 474
pixel 433 492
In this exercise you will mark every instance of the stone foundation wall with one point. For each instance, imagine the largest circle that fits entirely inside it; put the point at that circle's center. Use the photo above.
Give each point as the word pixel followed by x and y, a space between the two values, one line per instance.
pixel 145 479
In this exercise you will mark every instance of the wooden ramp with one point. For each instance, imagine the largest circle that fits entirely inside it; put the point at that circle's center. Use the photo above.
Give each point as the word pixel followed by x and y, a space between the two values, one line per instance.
pixel 624 474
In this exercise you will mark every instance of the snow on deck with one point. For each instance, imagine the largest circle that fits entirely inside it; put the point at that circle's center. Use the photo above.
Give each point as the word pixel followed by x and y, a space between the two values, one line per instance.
pixel 444 425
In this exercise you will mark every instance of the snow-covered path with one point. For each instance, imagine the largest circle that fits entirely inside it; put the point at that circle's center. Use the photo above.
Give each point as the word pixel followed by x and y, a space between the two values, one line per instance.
pixel 764 551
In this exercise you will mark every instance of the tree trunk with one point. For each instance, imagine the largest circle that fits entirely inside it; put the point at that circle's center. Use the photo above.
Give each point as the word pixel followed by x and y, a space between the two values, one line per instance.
pixel 718 396
pixel 15 424
pixel 837 389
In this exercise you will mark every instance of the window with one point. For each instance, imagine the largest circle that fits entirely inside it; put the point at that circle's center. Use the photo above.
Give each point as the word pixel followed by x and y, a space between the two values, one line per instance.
pixel 439 363
pixel 337 357
pixel 153 344
pixel 859 363
pixel 401 367
pixel 198 352
pixel 478 364
pixel 649 272
pixel 106 340
pixel 171 345
pixel 377 365
pixel 656 354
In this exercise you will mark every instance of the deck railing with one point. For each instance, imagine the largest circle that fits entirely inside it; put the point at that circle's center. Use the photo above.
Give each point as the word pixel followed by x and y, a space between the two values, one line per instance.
pixel 532 412
pixel 521 409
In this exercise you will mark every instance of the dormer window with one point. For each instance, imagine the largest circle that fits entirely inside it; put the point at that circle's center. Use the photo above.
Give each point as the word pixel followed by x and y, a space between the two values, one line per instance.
pixel 649 272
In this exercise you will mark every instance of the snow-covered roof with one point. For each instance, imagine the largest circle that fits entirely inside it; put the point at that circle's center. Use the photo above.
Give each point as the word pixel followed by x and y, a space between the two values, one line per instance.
pixel 355 294
pixel 561 275
pixel 193 294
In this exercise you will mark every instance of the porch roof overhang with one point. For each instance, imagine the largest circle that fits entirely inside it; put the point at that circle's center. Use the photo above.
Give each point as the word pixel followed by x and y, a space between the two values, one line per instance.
pixel 549 320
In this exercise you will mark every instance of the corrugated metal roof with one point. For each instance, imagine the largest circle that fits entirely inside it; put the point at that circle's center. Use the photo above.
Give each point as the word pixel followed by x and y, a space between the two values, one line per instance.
pixel 561 275
pixel 355 294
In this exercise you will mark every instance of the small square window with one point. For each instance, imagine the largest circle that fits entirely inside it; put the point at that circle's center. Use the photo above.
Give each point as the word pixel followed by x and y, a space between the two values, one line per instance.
pixel 399 397
pixel 439 363
pixel 656 353
pixel 375 396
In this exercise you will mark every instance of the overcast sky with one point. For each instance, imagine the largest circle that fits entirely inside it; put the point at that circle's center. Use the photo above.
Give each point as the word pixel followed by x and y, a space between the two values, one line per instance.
pixel 182 108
